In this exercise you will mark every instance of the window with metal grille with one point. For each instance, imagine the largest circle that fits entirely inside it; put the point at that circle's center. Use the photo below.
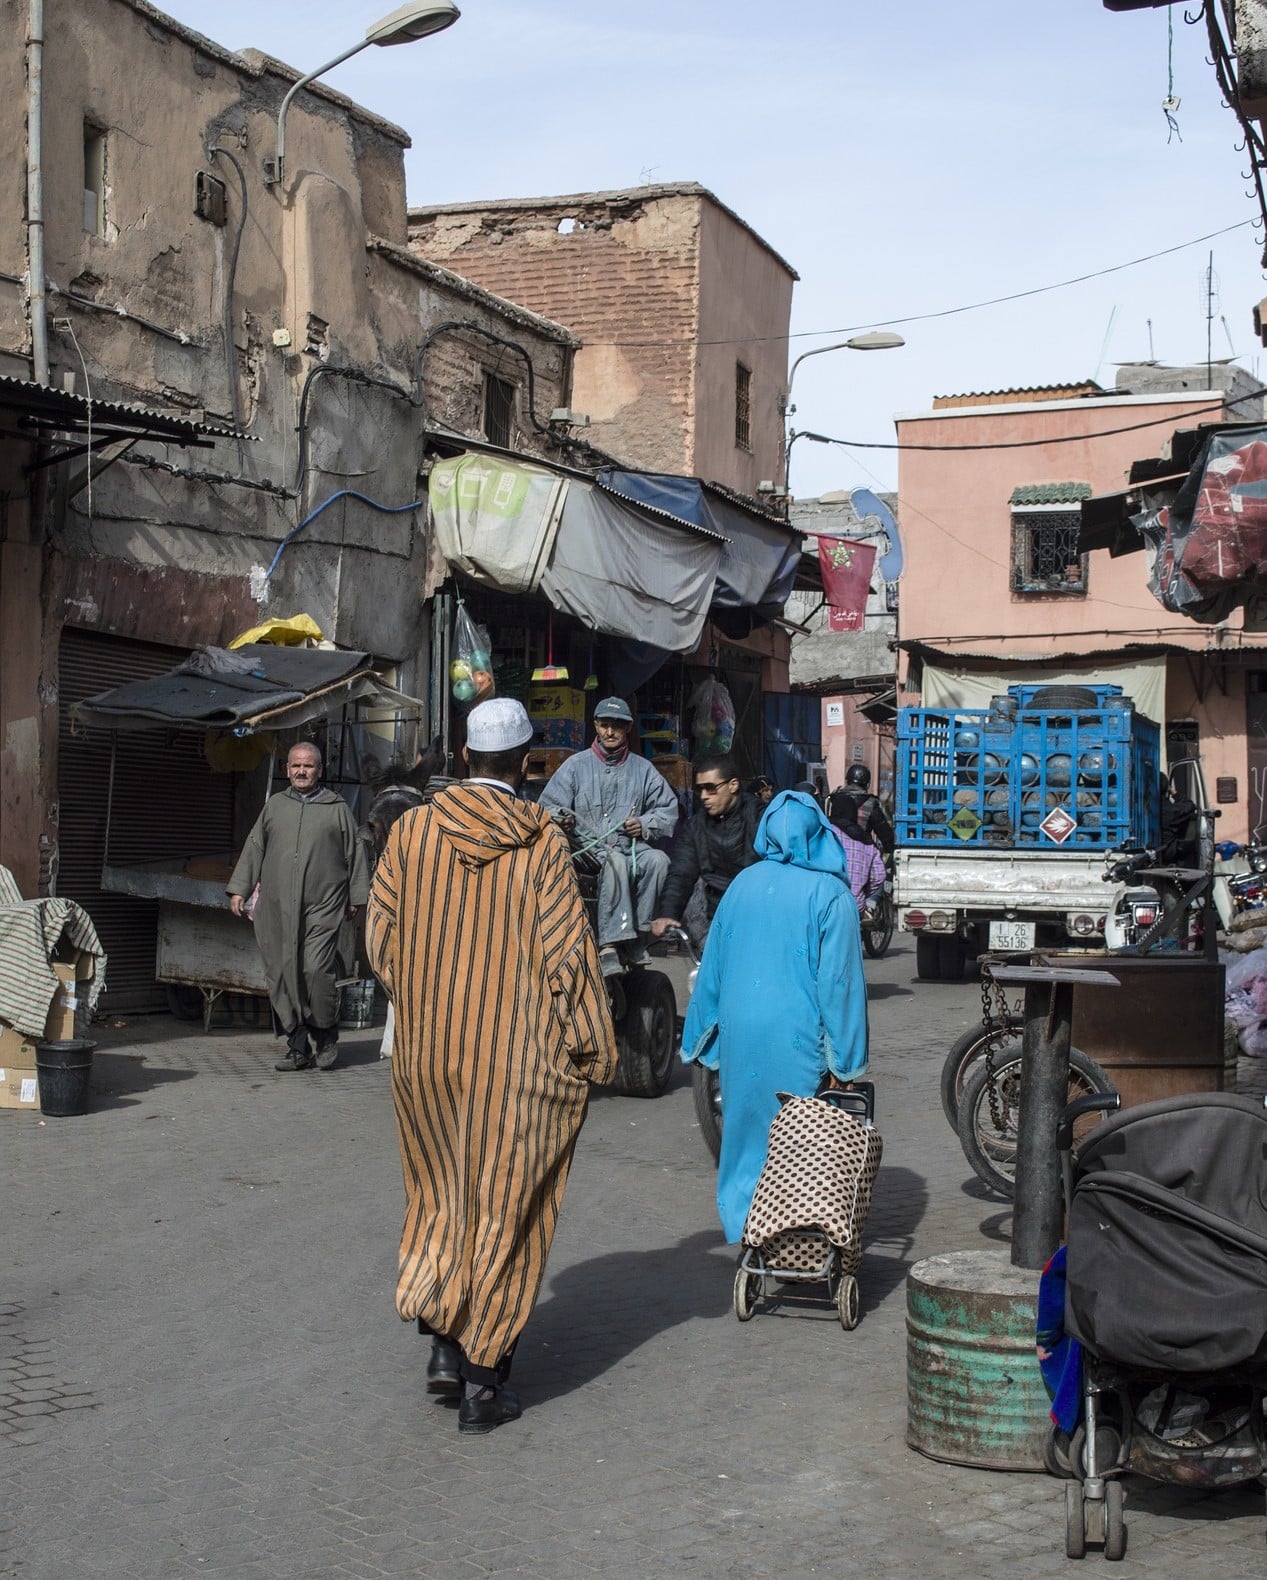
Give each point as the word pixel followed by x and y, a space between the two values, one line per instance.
pixel 743 406
pixel 499 410
pixel 1045 556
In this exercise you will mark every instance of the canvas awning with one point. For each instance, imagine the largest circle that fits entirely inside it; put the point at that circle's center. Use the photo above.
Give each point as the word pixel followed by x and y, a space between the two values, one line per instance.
pixel 257 687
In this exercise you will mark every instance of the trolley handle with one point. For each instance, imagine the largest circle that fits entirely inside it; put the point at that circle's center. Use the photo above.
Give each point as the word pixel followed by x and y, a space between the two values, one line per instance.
pixel 858 1098
pixel 681 936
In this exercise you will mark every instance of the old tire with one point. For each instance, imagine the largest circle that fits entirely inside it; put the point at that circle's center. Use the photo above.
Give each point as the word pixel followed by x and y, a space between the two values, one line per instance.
pixel 706 1090
pixel 953 958
pixel 928 958
pixel 1076 699
pixel 1114 1523
pixel 1001 1038
pixel 991 1148
pixel 877 934
pixel 646 1037
pixel 1075 1521
pixel 184 1001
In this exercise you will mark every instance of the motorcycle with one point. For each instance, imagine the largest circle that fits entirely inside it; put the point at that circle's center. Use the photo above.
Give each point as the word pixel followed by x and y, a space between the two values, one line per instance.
pixel 1247 891
pixel 879 917
pixel 1135 905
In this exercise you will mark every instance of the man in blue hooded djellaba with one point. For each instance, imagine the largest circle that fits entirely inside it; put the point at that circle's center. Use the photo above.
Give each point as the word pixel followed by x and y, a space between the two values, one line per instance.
pixel 781 999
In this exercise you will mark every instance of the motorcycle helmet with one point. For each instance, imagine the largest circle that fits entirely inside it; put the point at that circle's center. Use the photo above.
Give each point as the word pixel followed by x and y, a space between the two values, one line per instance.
pixel 859 775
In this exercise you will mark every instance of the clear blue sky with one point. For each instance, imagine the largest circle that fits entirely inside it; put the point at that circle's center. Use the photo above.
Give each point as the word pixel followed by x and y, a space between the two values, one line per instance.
pixel 904 159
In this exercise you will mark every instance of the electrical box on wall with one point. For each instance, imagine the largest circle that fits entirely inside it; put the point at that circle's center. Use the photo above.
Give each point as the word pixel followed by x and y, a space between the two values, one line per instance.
pixel 210 199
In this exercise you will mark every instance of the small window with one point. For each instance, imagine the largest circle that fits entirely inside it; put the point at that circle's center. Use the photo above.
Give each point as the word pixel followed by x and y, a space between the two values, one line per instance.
pixel 499 410
pixel 94 180
pixel 1045 556
pixel 743 406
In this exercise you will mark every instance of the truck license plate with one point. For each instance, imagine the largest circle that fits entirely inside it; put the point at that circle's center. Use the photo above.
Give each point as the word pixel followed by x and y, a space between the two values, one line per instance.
pixel 1011 935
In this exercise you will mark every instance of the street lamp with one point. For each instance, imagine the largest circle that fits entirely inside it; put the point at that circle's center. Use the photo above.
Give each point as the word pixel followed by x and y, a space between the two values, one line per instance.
pixel 401 26
pixel 873 340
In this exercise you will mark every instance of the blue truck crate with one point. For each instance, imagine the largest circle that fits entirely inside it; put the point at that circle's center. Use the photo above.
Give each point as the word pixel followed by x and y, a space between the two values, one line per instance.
pixel 1084 780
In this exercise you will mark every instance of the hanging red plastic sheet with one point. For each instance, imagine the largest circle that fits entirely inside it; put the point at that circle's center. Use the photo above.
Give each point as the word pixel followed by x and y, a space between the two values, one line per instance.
pixel 1208 549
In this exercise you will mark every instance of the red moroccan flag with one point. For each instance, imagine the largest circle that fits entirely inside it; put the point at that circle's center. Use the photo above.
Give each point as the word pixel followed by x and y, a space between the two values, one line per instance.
pixel 846 569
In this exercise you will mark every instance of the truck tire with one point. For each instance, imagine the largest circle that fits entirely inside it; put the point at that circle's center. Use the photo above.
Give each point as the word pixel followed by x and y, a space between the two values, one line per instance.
pixel 928 959
pixel 1077 699
pixel 646 1037
pixel 953 956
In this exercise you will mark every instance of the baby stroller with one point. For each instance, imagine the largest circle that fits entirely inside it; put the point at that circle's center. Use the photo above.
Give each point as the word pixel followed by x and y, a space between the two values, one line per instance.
pixel 1166 1291
pixel 812 1199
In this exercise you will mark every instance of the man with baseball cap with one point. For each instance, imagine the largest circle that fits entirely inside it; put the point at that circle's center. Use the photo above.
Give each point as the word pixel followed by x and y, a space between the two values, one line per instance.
pixel 477 930
pixel 619 806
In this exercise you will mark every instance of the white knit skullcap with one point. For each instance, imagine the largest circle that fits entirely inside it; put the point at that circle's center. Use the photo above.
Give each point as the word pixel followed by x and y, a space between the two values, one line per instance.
pixel 498 725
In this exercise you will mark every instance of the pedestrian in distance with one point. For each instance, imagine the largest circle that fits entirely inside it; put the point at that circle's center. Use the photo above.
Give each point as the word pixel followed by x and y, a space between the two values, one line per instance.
pixel 715 845
pixel 763 791
pixel 620 806
pixel 477 930
pixel 780 1000
pixel 309 865
pixel 864 864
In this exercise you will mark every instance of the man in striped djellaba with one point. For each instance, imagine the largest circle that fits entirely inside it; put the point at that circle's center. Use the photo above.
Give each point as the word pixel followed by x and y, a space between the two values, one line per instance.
pixel 477 930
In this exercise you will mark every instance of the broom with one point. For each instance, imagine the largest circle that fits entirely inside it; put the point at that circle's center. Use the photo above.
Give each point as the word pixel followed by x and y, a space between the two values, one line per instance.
pixel 552 671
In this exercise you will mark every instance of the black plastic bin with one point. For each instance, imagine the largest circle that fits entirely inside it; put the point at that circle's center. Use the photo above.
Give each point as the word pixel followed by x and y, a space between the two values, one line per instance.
pixel 64 1070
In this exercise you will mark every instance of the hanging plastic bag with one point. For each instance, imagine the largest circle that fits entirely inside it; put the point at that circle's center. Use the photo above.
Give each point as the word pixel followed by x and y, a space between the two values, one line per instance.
pixel 471 672
pixel 712 718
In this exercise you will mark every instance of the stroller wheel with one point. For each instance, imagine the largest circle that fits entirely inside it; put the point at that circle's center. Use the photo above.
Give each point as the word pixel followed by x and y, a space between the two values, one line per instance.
pixel 1075 1521
pixel 1056 1453
pixel 1114 1525
pixel 847 1303
pixel 747 1289
pixel 1108 1449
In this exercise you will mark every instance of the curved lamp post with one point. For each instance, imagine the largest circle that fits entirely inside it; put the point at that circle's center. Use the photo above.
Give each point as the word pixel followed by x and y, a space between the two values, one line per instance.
pixel 873 340
pixel 401 26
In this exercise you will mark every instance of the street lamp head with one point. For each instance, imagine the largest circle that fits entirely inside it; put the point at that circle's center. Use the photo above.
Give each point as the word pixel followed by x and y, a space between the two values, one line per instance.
pixel 401 26
pixel 408 22
pixel 876 340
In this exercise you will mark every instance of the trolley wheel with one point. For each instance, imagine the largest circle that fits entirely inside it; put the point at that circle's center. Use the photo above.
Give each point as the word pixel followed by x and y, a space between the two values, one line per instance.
pixel 1075 1521
pixel 1108 1445
pixel 706 1090
pixel 747 1288
pixel 1056 1453
pixel 847 1302
pixel 1114 1524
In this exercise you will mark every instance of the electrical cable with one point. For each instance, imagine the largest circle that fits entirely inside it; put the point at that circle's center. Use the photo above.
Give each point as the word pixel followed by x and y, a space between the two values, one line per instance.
pixel 230 353
pixel 945 312
pixel 70 330
pixel 343 493
pixel 1022 444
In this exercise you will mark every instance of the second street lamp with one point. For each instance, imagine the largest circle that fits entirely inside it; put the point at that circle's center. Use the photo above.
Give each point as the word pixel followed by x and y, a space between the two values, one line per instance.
pixel 873 340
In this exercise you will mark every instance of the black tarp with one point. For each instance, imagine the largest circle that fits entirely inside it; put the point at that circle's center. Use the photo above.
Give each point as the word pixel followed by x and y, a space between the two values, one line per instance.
pixel 1167 1266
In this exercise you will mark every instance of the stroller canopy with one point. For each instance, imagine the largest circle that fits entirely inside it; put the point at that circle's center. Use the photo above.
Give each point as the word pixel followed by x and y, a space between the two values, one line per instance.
pixel 1167 1265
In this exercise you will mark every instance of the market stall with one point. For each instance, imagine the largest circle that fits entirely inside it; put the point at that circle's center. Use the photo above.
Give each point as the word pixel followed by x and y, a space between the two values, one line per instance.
pixel 248 704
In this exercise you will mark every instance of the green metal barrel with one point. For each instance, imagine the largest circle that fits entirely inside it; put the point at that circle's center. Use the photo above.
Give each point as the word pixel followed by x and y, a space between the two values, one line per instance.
pixel 974 1393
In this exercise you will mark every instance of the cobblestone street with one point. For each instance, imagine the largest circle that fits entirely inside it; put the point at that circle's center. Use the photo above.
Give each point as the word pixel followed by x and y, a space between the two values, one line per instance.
pixel 201 1371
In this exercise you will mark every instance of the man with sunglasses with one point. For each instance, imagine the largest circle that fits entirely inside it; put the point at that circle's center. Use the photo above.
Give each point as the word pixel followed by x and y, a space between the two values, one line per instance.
pixel 715 845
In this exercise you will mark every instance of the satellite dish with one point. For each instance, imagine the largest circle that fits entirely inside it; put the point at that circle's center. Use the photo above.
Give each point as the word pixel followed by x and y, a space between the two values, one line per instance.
pixel 865 503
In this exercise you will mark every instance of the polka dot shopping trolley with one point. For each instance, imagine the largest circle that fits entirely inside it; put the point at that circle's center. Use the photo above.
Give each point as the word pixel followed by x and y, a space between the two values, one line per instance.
pixel 811 1202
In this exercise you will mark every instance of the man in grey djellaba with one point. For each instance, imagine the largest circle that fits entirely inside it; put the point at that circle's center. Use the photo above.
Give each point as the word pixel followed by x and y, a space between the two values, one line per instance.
pixel 310 867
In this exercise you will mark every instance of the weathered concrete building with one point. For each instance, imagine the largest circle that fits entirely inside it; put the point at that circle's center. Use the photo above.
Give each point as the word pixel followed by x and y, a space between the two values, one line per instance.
pixel 682 307
pixel 238 354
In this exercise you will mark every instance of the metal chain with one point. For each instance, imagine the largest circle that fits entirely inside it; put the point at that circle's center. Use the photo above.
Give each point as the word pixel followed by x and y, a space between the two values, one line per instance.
pixel 998 1016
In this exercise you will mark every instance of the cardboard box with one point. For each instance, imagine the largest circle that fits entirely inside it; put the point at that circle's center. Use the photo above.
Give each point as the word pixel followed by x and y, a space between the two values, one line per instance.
pixel 559 732
pixel 19 1089
pixel 679 771
pixel 60 1025
pixel 556 702
pixel 543 763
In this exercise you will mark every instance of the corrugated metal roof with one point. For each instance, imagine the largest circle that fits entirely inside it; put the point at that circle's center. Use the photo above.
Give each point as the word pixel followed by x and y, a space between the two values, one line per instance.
pixel 1023 392
pixel 1051 493
pixel 63 411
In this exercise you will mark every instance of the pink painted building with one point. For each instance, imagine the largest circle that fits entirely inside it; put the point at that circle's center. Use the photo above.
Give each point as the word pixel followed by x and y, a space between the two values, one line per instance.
pixel 994 590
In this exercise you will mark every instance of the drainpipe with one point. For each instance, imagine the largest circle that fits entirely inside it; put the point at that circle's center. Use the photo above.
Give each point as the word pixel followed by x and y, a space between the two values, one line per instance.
pixel 35 192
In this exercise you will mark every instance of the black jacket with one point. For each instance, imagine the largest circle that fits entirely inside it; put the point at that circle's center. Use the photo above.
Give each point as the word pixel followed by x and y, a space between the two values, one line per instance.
pixel 873 819
pixel 712 848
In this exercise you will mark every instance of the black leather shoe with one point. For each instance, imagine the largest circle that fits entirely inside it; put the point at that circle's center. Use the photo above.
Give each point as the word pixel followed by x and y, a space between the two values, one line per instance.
pixel 295 1061
pixel 485 1415
pixel 442 1368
